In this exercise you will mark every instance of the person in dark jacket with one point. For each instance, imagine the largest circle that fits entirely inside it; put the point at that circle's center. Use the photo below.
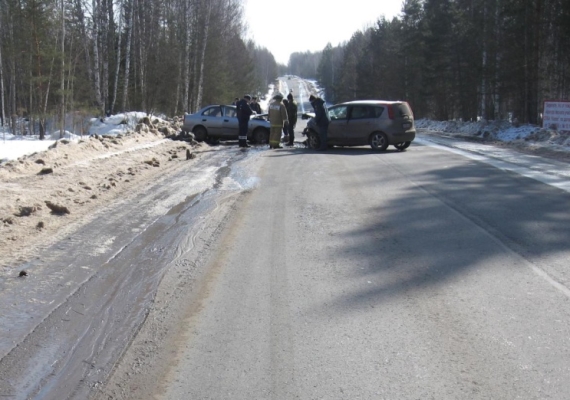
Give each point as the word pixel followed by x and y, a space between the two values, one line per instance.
pixel 292 114
pixel 244 111
pixel 322 119
pixel 285 130
pixel 255 106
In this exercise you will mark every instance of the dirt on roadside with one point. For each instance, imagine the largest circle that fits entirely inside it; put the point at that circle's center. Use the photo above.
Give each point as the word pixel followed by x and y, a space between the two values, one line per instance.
pixel 47 194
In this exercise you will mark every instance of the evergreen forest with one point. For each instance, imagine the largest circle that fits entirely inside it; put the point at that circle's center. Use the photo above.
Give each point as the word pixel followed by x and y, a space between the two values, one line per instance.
pixel 450 59
pixel 454 59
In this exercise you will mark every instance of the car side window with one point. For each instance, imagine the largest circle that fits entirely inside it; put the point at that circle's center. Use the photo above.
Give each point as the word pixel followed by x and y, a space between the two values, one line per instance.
pixel 213 112
pixel 230 112
pixel 362 112
pixel 376 112
pixel 340 112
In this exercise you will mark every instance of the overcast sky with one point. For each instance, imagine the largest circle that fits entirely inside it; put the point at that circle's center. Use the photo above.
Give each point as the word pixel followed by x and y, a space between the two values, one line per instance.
pixel 288 26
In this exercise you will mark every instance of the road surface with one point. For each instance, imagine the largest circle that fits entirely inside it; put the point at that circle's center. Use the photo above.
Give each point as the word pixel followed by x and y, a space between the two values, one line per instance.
pixel 358 275
pixel 294 274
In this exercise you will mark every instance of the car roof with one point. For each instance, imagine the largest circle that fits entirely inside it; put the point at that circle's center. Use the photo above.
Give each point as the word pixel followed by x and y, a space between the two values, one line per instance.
pixel 370 102
pixel 217 105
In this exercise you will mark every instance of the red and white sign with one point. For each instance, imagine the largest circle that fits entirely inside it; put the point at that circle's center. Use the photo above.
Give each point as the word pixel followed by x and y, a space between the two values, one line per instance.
pixel 556 115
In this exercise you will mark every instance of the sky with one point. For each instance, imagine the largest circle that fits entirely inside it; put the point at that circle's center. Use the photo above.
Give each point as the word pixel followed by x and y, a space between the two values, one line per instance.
pixel 285 27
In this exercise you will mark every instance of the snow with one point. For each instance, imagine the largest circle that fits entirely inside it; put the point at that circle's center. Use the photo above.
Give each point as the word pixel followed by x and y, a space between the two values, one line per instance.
pixel 15 146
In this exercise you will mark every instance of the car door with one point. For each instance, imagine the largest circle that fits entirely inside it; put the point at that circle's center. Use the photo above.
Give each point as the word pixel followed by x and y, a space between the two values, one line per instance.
pixel 337 126
pixel 212 119
pixel 230 124
pixel 361 123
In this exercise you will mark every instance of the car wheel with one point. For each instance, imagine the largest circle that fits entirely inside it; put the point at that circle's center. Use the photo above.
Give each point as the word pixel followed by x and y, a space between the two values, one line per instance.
pixel 200 133
pixel 212 140
pixel 314 141
pixel 402 146
pixel 261 136
pixel 379 141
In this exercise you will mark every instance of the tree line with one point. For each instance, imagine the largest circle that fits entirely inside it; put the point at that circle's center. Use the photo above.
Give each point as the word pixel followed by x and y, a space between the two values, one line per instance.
pixel 456 59
pixel 106 56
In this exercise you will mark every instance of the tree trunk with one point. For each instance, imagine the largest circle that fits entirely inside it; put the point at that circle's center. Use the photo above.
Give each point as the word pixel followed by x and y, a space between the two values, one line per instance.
pixel 129 19
pixel 89 66
pixel 186 55
pixel 203 56
pixel 62 87
pixel 118 66
pixel 96 62
pixel 484 64
pixel 2 97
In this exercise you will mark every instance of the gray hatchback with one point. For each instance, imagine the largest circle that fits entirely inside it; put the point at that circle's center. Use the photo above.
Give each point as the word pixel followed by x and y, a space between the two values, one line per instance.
pixel 376 123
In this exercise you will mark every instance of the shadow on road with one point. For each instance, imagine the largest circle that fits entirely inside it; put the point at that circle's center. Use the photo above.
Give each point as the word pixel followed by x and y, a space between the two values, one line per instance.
pixel 450 222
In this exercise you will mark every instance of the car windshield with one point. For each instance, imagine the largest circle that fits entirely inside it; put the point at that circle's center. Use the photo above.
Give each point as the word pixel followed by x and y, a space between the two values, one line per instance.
pixel 339 112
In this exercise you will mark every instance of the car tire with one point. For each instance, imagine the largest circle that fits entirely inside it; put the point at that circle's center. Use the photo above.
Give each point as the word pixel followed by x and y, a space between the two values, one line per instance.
pixel 261 136
pixel 402 145
pixel 200 133
pixel 314 141
pixel 379 141
pixel 214 141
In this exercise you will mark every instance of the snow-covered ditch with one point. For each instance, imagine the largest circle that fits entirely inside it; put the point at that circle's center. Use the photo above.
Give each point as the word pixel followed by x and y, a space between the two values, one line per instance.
pixel 501 131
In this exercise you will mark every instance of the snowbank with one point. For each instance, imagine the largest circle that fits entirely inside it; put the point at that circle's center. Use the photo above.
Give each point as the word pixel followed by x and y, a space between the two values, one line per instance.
pixel 502 131
pixel 16 146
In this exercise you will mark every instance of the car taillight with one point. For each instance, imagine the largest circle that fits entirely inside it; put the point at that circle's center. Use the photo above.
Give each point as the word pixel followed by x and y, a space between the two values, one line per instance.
pixel 390 111
pixel 410 109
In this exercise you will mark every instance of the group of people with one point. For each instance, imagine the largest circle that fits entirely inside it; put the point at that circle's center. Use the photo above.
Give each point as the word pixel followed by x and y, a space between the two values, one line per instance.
pixel 282 117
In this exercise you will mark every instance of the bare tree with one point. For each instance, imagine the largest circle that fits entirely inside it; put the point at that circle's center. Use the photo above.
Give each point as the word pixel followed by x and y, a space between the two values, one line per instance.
pixel 62 87
pixel 96 9
pixel 117 62
pixel 2 96
pixel 129 18
pixel 203 55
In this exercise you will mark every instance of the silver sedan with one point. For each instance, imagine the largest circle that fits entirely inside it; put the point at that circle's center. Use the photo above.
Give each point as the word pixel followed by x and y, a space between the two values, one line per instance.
pixel 220 122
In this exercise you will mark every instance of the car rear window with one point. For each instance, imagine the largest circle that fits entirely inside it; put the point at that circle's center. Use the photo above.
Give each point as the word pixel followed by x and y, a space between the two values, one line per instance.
pixel 377 112
pixel 403 110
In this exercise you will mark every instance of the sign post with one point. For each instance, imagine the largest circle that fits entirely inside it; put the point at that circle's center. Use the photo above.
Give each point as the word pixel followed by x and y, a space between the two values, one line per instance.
pixel 556 115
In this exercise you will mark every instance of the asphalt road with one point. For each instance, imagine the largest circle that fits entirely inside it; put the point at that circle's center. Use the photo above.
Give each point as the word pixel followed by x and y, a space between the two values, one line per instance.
pixel 294 274
pixel 401 275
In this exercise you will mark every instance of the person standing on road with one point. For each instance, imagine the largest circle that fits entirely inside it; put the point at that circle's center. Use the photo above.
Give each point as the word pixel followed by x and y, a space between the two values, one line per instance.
pixel 292 114
pixel 244 111
pixel 322 119
pixel 255 106
pixel 278 119
pixel 285 137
